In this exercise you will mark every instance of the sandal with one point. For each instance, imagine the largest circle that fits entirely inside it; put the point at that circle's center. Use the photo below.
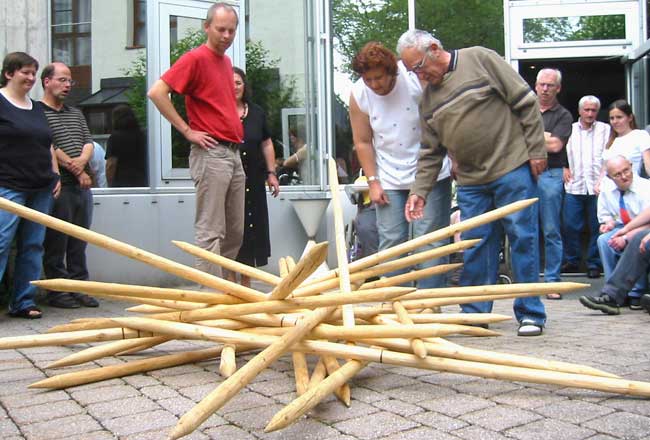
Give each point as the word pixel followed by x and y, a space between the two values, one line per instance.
pixel 31 312
pixel 553 296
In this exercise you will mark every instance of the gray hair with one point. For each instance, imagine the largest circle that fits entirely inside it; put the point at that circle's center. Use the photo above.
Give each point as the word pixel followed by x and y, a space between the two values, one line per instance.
pixel 558 75
pixel 220 5
pixel 420 40
pixel 588 99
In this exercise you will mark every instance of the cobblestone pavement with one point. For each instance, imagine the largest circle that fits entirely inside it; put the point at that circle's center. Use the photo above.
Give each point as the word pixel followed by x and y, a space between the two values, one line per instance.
pixel 387 402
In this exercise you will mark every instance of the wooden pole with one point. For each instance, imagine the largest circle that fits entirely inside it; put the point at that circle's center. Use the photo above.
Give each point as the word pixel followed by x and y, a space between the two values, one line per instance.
pixel 227 263
pixel 69 338
pixel 92 287
pixel 322 285
pixel 454 318
pixel 496 289
pixel 301 373
pixel 83 377
pixel 317 376
pixel 151 259
pixel 416 343
pixel 305 267
pixel 228 364
pixel 109 349
pixel 435 236
pixel 411 276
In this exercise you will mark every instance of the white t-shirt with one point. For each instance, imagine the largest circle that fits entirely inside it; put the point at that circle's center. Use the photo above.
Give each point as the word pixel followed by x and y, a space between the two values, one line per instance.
pixel 630 146
pixel 395 124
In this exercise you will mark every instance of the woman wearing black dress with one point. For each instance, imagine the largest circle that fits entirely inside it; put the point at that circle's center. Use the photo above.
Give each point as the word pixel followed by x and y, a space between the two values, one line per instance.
pixel 258 159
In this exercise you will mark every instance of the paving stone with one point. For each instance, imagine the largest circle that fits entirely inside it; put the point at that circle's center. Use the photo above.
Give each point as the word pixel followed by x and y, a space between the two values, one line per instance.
pixel 174 371
pixel 87 397
pixel 398 407
pixel 386 382
pixel 132 405
pixel 422 433
pixel 96 385
pixel 245 400
pixel 574 411
pixel 140 381
pixel 197 392
pixel 455 404
pixel 419 392
pixel 163 434
pixel 621 424
pixel 96 435
pixel 273 387
pixel 375 425
pixel 486 387
pixel 8 428
pixel 33 397
pixel 447 379
pixel 45 411
pixel 157 392
pixel 14 364
pixel 21 374
pixel 61 428
pixel 181 405
pixel 229 432
pixel 548 429
pixel 499 418
pixel 367 395
pixel 478 433
pixel 14 388
pixel 438 421
pixel 528 398
pixel 253 419
pixel 334 411
pixel 629 404
pixel 191 379
pixel 306 429
pixel 135 423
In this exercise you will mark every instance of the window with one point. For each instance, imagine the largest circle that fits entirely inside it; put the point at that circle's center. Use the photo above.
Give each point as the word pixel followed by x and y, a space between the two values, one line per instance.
pixel 71 32
pixel 582 28
pixel 139 23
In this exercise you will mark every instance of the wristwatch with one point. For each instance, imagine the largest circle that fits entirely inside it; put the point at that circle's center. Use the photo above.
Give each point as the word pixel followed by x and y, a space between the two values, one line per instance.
pixel 373 179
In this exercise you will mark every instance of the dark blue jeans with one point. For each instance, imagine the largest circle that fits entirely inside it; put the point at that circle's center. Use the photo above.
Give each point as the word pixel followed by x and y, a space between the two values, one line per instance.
pixel 482 261
pixel 632 267
pixel 551 191
pixel 29 243
pixel 577 210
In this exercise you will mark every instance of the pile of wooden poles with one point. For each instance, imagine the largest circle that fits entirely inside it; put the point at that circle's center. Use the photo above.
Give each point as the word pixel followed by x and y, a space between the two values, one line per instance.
pixel 334 316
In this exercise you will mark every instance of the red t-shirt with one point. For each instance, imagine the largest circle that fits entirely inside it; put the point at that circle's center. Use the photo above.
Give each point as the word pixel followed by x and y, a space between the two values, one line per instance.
pixel 206 80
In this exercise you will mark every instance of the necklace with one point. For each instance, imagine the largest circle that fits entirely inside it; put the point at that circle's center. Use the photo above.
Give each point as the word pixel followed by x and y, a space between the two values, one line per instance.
pixel 243 113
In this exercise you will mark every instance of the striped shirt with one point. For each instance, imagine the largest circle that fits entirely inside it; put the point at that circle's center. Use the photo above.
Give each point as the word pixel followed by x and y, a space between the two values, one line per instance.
pixel 584 151
pixel 70 134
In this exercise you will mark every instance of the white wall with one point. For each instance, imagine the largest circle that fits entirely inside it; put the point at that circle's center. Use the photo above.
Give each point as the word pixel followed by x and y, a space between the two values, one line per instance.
pixel 24 28
pixel 109 40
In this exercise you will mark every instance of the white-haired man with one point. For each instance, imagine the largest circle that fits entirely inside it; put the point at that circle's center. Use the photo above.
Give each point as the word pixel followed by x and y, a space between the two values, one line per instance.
pixel 584 153
pixel 477 108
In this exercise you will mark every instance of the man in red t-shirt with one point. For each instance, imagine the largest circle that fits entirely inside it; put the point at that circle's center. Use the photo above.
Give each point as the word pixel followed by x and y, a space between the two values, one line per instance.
pixel 205 77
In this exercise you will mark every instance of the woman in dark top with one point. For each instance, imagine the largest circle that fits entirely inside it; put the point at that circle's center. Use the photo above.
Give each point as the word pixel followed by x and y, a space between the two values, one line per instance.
pixel 126 151
pixel 29 175
pixel 258 159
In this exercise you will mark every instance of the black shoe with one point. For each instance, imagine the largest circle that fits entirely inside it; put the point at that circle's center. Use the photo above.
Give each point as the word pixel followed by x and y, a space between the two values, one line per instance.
pixel 645 302
pixel 85 300
pixel 569 268
pixel 634 303
pixel 603 303
pixel 593 273
pixel 62 300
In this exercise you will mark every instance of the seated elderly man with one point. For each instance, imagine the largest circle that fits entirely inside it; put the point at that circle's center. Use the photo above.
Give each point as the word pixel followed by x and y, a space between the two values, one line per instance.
pixel 633 264
pixel 617 207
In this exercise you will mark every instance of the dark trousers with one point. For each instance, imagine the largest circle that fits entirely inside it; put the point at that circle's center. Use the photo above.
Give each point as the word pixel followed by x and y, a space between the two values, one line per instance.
pixel 630 267
pixel 65 256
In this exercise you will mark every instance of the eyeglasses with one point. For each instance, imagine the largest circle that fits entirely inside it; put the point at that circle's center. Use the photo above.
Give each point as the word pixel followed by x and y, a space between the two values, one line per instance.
pixel 420 65
pixel 64 80
pixel 627 172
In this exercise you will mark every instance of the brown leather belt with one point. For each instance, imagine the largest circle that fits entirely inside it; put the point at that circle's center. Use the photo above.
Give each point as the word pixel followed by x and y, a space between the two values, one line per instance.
pixel 228 144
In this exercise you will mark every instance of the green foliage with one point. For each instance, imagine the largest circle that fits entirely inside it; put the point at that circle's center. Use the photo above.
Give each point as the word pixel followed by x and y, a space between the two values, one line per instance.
pixel 457 23
pixel 597 27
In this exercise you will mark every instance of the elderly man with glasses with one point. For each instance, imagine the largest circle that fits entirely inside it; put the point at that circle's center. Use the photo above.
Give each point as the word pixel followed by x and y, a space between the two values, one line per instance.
pixel 480 111
pixel 617 207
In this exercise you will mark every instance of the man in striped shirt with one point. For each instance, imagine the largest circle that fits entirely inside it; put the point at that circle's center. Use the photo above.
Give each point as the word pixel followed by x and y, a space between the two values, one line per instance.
pixel 584 152
pixel 65 257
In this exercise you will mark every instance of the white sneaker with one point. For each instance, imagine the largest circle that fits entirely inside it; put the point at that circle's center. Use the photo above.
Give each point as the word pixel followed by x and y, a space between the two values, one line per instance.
pixel 528 327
